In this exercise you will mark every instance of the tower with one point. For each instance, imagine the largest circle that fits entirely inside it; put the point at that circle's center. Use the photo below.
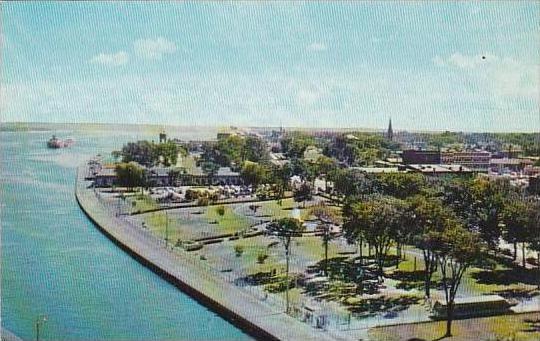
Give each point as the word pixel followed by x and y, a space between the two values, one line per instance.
pixel 162 137
pixel 390 133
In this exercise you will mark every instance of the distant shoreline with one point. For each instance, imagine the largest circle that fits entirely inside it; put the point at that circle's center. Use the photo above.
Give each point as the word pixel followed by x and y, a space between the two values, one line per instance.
pixel 48 126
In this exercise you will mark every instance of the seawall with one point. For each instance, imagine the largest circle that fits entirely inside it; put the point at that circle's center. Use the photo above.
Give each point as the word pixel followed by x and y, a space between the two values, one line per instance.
pixel 242 309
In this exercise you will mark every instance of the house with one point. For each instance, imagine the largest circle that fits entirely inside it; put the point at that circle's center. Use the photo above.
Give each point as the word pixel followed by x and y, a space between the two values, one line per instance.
pixel 105 177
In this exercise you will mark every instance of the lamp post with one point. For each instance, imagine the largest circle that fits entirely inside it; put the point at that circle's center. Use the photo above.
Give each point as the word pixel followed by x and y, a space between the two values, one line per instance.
pixel 40 319
pixel 166 229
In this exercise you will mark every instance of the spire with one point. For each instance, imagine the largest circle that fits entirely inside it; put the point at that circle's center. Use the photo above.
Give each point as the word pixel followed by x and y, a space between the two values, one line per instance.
pixel 390 133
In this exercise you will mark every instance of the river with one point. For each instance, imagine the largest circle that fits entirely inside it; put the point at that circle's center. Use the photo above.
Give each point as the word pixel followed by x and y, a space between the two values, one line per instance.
pixel 56 263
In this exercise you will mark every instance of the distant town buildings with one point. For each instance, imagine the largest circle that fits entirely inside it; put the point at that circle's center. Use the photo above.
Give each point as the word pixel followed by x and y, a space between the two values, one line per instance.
pixel 476 160
pixel 421 157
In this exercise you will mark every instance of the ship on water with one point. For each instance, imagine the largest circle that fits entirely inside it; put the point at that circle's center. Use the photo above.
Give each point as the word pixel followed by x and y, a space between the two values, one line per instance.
pixel 55 142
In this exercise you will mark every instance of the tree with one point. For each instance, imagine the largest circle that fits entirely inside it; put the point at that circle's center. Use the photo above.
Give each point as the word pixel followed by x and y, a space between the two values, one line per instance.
pixel 130 175
pixel 280 176
pixel 286 229
pixel 325 165
pixel 302 193
pixel 400 185
pixel 166 153
pixel 210 168
pixel 533 223
pixel 254 149
pixel 254 173
pixel 457 249
pixel 377 221
pixel 149 153
pixel 142 152
pixel 348 182
pixel 489 198
pixel 327 218
pixel 295 144
pixel 429 218
pixel 515 219
pixel 479 203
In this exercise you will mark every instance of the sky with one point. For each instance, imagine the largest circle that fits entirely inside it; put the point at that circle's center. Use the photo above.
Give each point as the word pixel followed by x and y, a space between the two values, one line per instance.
pixel 459 66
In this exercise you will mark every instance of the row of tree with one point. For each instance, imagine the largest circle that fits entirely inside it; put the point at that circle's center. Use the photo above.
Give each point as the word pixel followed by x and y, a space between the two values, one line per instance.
pixel 233 151
pixel 150 154
pixel 452 224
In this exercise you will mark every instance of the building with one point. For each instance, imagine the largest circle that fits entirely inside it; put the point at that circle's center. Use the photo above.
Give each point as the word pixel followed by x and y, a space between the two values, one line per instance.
pixel 439 170
pixel 421 157
pixel 162 137
pixel 475 160
pixel 379 170
pixel 158 177
pixel 224 176
pixel 504 165
pixel 105 177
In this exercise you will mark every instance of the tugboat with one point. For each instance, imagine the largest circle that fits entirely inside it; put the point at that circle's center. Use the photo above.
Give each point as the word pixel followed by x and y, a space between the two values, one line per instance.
pixel 54 142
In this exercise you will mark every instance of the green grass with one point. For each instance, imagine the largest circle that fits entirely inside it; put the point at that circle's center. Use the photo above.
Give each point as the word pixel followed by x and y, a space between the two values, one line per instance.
pixel 142 203
pixel 157 223
pixel 230 222
pixel 507 327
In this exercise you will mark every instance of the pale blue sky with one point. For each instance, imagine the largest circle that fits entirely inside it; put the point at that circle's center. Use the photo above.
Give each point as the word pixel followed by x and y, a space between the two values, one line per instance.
pixel 308 64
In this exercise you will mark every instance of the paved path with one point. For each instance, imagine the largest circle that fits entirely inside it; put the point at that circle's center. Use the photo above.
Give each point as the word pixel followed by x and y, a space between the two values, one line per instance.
pixel 261 320
pixel 8 336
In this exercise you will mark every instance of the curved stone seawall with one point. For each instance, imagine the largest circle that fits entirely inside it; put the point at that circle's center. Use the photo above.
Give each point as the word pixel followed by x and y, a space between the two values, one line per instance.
pixel 234 304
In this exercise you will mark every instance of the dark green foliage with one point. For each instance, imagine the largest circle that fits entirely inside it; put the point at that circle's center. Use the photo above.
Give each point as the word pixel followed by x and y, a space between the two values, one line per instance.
pixel 149 153
pixel 130 175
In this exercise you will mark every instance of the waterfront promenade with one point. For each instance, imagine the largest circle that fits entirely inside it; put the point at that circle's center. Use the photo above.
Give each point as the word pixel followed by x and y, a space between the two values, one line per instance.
pixel 256 317
pixel 6 335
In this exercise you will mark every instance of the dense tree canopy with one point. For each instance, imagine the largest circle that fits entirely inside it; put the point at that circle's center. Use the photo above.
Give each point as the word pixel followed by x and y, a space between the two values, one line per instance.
pixel 149 153
pixel 130 175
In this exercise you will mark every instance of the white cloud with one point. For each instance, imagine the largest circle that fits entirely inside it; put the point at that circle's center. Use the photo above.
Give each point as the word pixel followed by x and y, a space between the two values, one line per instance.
pixel 111 59
pixel 500 78
pixel 463 61
pixel 154 48
pixel 317 47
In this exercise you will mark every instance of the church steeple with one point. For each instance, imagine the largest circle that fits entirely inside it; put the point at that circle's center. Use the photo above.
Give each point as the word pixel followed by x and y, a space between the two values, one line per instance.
pixel 390 133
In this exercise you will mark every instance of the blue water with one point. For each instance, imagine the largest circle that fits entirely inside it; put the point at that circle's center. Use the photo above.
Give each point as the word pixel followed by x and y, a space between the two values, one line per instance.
pixel 55 263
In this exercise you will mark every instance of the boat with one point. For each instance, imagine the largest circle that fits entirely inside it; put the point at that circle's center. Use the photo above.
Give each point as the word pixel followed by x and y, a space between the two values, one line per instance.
pixel 55 142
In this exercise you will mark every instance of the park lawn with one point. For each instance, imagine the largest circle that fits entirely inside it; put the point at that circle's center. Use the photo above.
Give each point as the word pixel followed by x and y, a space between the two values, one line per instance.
pixel 230 222
pixel 312 248
pixel 505 327
pixel 484 288
pixel 157 223
pixel 272 210
pixel 143 203
pixel 252 247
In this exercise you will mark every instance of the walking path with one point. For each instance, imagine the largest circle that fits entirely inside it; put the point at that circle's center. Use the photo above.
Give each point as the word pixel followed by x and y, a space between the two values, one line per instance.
pixel 6 335
pixel 238 306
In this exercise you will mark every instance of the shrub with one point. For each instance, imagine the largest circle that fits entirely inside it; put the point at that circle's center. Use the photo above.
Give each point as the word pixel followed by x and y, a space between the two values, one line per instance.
pixel 220 210
pixel 238 250
pixel 261 257
pixel 203 201
pixel 191 194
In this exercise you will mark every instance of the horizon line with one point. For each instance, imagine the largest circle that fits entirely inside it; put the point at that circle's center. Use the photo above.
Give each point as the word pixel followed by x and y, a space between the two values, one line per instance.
pixel 357 128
